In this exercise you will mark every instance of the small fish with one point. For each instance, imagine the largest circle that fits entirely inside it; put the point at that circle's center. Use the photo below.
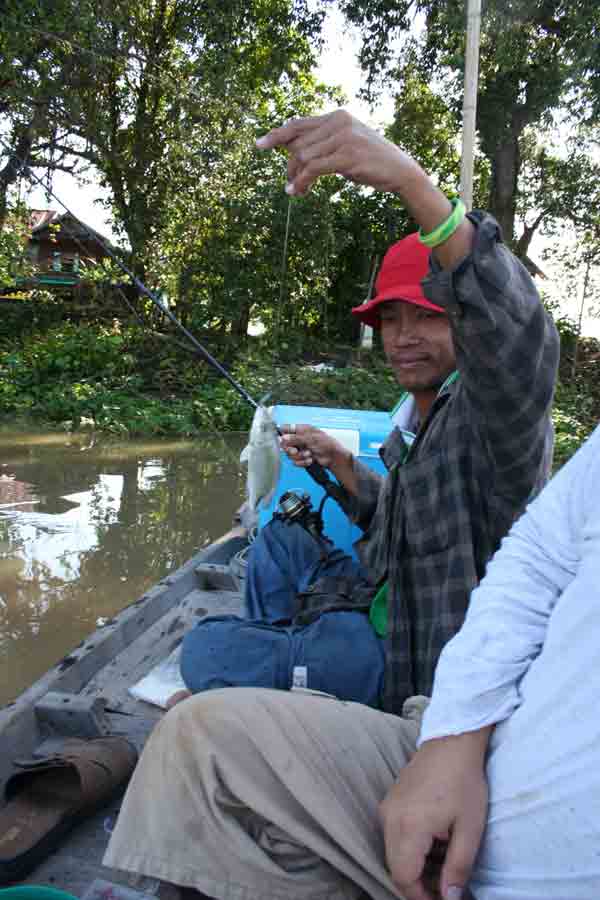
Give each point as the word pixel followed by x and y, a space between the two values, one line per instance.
pixel 262 456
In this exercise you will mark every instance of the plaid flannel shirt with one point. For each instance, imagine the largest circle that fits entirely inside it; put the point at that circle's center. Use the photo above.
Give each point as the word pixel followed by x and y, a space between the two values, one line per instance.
pixel 432 523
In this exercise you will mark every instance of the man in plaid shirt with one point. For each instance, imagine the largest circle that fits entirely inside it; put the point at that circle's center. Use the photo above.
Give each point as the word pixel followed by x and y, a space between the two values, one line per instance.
pixel 481 444
pixel 264 794
pixel 477 354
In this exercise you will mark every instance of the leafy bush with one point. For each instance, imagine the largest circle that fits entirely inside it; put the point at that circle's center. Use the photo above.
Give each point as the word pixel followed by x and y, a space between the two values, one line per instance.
pixel 125 381
pixel 574 420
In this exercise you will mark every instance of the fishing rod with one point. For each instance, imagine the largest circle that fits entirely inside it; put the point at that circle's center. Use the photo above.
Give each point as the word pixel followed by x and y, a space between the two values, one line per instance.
pixel 142 288
pixel 316 471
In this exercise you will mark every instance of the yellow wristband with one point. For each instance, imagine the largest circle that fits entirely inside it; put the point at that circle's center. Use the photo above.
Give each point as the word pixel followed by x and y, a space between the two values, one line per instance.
pixel 446 228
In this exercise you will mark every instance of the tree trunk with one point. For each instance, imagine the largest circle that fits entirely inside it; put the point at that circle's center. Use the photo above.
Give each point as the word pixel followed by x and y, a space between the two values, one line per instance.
pixel 20 155
pixel 239 325
pixel 502 204
pixel 522 245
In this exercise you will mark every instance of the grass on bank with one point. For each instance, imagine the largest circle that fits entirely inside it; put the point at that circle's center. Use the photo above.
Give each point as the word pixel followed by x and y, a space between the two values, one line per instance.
pixel 124 382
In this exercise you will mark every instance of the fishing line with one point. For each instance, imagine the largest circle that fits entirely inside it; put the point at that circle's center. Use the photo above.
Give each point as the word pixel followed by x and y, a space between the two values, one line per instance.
pixel 315 470
pixel 283 265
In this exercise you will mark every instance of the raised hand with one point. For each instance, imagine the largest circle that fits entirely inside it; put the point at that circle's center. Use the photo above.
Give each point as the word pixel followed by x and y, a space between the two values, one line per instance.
pixel 339 143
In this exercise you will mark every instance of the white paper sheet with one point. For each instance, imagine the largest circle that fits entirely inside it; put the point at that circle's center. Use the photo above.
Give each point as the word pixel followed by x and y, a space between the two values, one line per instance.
pixel 161 682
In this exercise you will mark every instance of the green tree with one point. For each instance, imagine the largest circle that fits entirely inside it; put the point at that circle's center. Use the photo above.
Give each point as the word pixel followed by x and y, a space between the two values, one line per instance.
pixel 13 246
pixel 166 79
pixel 125 87
pixel 536 58
pixel 35 70
pixel 556 191
pixel 224 257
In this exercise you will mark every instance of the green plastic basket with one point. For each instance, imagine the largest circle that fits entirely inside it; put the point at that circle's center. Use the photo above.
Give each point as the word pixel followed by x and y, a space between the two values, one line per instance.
pixel 34 892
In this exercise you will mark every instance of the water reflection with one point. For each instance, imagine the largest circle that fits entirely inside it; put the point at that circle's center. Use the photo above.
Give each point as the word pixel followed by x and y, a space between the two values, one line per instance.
pixel 87 526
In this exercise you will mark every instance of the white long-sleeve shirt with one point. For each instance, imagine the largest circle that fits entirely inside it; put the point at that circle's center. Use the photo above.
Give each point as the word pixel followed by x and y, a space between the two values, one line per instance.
pixel 528 660
pixel 535 585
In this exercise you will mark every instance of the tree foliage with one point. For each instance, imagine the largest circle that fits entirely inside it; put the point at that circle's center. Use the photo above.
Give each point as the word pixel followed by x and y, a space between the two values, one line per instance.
pixel 536 58
pixel 165 100
pixel 125 87
pixel 174 79
pixel 14 231
pixel 37 73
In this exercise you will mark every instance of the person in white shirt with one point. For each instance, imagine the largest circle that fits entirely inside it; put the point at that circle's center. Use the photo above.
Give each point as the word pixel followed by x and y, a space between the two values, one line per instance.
pixel 508 767
pixel 507 770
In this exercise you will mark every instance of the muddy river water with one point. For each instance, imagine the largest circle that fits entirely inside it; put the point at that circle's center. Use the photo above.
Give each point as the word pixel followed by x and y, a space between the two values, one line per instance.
pixel 87 525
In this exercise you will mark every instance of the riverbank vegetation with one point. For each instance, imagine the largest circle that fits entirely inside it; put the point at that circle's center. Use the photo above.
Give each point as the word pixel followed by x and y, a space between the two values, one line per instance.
pixel 161 104
pixel 125 380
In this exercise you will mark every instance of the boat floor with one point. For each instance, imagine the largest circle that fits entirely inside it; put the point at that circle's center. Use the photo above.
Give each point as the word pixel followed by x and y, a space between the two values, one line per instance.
pixel 78 862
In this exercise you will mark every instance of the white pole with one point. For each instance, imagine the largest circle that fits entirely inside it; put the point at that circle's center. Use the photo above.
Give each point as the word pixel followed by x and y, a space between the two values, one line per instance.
pixel 470 101
pixel 366 332
pixel 366 337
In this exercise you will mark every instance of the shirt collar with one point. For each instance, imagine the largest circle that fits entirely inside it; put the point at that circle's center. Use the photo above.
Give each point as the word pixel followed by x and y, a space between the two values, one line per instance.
pixel 405 414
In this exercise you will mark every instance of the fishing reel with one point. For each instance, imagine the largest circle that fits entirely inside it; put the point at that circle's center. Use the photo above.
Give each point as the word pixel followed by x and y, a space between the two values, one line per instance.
pixel 297 508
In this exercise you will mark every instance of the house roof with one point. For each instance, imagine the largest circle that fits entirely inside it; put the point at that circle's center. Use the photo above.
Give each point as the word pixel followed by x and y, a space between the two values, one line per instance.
pixel 41 219
pixel 38 218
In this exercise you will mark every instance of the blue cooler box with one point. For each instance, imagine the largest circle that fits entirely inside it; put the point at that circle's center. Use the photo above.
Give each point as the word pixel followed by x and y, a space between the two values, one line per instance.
pixel 361 431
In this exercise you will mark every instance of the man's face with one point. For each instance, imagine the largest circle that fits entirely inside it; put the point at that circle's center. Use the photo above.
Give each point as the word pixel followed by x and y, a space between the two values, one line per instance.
pixel 418 345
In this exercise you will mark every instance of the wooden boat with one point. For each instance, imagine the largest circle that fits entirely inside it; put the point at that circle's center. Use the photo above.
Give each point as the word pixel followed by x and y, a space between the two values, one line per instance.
pixel 87 694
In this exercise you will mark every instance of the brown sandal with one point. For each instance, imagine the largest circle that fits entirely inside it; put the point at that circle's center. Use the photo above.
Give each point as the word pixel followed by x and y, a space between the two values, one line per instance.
pixel 52 794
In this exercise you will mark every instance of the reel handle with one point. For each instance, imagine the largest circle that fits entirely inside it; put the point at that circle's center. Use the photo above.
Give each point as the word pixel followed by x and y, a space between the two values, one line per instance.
pixel 319 474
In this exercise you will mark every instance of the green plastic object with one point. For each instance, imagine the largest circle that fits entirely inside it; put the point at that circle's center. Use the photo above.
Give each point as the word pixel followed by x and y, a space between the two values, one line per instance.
pixel 34 892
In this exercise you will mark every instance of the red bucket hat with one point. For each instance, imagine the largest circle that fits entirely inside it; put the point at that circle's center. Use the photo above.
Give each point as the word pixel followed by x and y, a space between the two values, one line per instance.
pixel 404 266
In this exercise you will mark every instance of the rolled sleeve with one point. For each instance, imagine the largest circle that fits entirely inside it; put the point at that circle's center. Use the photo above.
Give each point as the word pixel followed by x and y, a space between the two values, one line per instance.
pixel 507 351
pixel 364 502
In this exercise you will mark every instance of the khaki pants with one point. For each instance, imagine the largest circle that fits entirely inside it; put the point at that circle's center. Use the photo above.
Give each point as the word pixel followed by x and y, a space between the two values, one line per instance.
pixel 252 794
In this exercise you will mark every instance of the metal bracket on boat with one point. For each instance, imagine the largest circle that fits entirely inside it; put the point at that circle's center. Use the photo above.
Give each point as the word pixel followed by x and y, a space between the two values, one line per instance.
pixel 72 715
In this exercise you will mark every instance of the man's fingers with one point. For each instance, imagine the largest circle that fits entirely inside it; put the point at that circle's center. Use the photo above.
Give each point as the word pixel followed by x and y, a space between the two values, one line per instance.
pixel 295 445
pixel 288 441
pixel 278 137
pixel 308 140
pixel 303 153
pixel 406 848
pixel 460 855
pixel 414 891
pixel 293 449
pixel 306 444
pixel 301 458
pixel 319 131
pixel 296 431
pixel 285 134
pixel 308 174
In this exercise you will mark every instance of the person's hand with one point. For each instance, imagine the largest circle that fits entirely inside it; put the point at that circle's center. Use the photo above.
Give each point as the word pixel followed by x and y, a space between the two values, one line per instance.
pixel 304 445
pixel 441 795
pixel 339 143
